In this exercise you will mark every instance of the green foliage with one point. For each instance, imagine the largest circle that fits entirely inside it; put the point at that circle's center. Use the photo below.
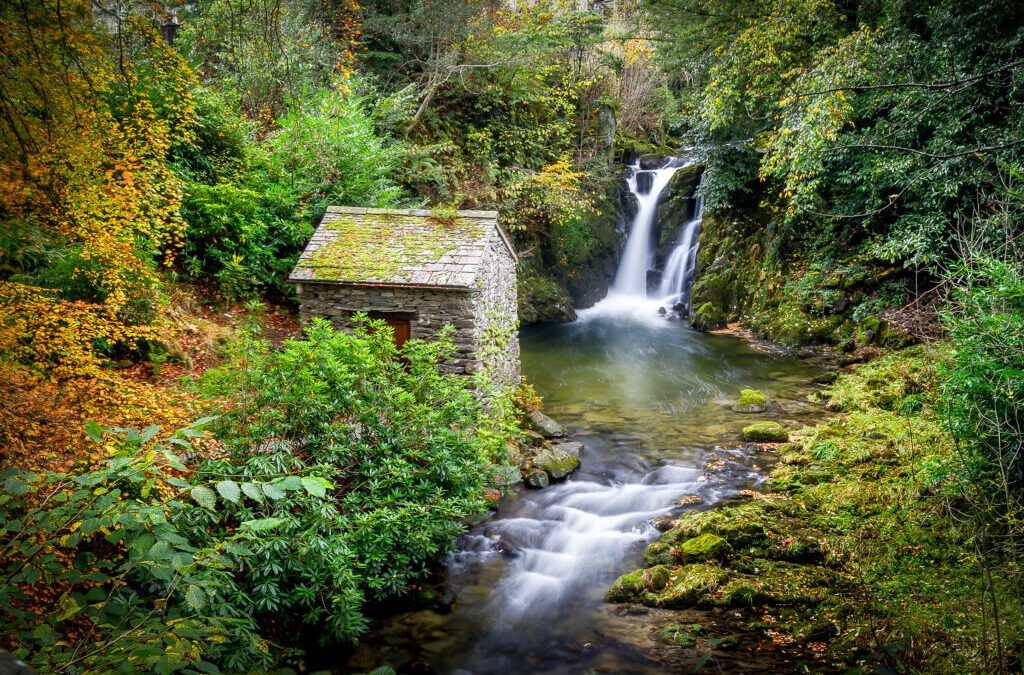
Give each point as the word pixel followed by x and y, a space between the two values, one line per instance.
pixel 341 469
pixel 983 395
pixel 251 206
pixel 155 594
pixel 886 129
pixel 412 446
pixel 269 55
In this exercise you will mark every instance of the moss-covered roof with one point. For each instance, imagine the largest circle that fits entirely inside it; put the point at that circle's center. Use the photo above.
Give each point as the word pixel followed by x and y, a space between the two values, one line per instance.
pixel 398 247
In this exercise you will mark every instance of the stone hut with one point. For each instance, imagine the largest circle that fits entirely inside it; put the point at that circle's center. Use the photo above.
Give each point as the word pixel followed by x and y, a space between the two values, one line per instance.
pixel 418 271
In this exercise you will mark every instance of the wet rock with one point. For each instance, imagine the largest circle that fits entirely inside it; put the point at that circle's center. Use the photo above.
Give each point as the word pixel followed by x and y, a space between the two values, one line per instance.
pixel 538 478
pixel 559 459
pixel 534 440
pixel 704 547
pixel 751 401
pixel 765 432
pixel 12 665
pixel 544 425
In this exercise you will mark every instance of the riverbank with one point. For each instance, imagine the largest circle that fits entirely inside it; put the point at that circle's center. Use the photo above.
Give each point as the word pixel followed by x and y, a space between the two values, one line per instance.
pixel 853 556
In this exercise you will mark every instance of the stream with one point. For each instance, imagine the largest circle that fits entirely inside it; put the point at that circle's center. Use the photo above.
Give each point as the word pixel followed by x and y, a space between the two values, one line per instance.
pixel 652 402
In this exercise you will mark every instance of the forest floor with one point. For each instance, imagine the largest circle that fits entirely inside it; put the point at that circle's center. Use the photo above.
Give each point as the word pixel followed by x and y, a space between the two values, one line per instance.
pixel 44 421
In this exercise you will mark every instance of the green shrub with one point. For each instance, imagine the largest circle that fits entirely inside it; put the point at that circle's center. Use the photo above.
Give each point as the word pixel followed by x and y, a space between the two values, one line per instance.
pixel 412 446
pixel 344 469
pixel 983 394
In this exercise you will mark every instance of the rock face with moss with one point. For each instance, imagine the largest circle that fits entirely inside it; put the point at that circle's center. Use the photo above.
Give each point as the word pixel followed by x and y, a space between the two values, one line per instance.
pixel 419 271
pixel 742 274
pixel 855 533
pixel 542 300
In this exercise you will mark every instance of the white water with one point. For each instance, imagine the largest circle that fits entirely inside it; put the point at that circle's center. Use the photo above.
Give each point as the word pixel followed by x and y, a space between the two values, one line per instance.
pixel 627 298
pixel 675 280
pixel 638 256
pixel 572 534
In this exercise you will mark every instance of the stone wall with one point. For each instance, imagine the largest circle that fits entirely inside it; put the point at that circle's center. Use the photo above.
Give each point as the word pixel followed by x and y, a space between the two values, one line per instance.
pixel 429 310
pixel 496 311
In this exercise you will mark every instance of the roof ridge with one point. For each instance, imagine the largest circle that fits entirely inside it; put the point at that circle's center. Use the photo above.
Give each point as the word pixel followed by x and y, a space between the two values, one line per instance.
pixel 422 213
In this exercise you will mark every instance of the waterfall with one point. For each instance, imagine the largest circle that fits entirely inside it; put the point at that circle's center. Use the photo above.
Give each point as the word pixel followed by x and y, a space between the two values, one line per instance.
pixel 637 258
pixel 675 280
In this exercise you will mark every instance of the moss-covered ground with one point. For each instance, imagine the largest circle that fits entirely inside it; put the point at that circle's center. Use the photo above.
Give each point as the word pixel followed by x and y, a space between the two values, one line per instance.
pixel 856 559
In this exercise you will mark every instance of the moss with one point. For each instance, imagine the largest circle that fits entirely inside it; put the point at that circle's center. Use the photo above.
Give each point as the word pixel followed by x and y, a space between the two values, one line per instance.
pixel 627 588
pixel 751 401
pixel 379 247
pixel 741 526
pixel 556 463
pixel 707 317
pixel 659 553
pixel 765 432
pixel 692 586
pixel 779 583
pixel 706 546
pixel 751 397
pixel 543 300
pixel 640 585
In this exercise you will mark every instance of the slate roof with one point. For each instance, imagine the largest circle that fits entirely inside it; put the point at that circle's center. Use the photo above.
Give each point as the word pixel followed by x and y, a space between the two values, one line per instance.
pixel 407 247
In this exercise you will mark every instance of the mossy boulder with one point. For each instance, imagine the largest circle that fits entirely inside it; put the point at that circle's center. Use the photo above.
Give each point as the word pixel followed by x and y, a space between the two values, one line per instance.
pixel 765 432
pixel 544 425
pixel 638 586
pixel 751 401
pixel 704 547
pixel 707 317
pixel 543 300
pixel 778 583
pixel 560 459
pixel 690 586
pixel 742 526
pixel 627 588
pixel 537 478
pixel 659 553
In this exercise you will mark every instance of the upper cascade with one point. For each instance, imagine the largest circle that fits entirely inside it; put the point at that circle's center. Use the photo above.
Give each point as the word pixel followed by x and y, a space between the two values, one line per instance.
pixel 638 257
pixel 628 295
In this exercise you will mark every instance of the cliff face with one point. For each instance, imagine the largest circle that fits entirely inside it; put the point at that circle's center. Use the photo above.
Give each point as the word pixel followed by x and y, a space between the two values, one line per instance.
pixel 792 294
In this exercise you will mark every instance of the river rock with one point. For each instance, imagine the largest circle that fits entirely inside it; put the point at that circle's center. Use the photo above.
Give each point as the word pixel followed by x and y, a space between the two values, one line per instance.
pixel 12 665
pixel 544 425
pixel 765 432
pixel 751 401
pixel 560 459
pixel 538 478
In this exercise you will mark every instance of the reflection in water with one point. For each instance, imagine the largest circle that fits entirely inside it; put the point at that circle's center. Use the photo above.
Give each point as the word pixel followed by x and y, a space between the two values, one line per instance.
pixel 649 398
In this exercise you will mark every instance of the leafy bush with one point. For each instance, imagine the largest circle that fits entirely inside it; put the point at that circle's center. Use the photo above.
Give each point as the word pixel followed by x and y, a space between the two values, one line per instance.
pixel 341 469
pixel 984 398
pixel 411 446
pixel 99 576
pixel 251 207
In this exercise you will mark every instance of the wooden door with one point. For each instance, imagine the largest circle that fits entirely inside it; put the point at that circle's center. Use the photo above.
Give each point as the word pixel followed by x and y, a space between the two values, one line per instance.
pixel 402 329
